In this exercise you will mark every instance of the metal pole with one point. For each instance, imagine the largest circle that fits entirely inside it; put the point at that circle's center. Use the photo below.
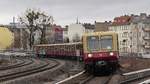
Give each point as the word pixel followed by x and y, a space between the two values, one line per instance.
pixel 21 43
pixel 137 40
pixel 131 43
pixel 78 56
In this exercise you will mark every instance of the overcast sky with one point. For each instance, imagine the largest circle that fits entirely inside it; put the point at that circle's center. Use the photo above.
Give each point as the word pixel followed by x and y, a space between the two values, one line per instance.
pixel 66 11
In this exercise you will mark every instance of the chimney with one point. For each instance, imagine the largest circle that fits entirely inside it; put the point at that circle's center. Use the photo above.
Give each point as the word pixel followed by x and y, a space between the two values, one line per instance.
pixel 132 15
pixel 66 26
pixel 105 21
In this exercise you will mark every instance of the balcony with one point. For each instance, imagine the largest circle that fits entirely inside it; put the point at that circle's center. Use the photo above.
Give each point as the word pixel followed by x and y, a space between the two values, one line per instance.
pixel 147 29
pixel 146 37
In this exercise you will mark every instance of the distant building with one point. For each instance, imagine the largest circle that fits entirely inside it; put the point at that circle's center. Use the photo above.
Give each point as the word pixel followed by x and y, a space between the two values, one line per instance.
pixel 146 38
pixel 21 35
pixel 65 34
pixel 121 20
pixel 143 25
pixel 143 17
pixel 37 35
pixel 102 26
pixel 133 33
pixel 127 37
pixel 89 27
pixel 75 32
pixel 57 33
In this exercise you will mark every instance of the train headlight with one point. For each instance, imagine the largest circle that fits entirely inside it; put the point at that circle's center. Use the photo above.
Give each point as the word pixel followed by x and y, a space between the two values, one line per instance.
pixel 111 53
pixel 90 55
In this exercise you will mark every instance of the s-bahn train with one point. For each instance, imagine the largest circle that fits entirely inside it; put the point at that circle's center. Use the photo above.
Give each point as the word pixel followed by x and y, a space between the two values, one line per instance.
pixel 64 50
pixel 99 50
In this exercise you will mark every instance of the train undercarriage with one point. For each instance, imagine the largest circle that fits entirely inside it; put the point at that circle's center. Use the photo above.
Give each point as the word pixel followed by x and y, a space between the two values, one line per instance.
pixel 102 67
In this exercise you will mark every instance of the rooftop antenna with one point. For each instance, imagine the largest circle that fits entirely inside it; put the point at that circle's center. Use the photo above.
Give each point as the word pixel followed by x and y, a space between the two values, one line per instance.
pixel 13 19
pixel 13 22
pixel 77 22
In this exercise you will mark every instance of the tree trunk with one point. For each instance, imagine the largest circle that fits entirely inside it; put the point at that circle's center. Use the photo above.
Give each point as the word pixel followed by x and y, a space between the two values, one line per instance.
pixel 43 39
pixel 31 38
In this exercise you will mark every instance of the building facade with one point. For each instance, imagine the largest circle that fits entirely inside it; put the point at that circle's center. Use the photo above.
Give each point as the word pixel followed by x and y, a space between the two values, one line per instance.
pixel 143 38
pixel 75 32
pixel 143 24
pixel 57 33
pixel 21 35
pixel 89 27
pixel 102 26
pixel 127 37
pixel 133 33
pixel 65 34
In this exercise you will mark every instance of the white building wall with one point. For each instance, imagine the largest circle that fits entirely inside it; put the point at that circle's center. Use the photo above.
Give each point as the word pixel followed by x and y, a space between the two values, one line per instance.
pixel 37 36
pixel 65 34
pixel 89 30
pixel 142 34
pixel 135 41
pixel 126 38
pixel 74 29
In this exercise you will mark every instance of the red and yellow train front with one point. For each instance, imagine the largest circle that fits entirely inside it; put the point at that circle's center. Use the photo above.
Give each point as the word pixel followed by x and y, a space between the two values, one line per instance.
pixel 100 49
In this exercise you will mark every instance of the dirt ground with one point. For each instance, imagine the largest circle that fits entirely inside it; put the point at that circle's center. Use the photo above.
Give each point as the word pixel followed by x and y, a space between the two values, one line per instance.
pixel 132 64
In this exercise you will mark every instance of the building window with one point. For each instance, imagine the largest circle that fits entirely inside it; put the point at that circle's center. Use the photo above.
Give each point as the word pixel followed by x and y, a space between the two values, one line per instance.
pixel 120 42
pixel 139 34
pixel 125 34
pixel 122 27
pixel 125 27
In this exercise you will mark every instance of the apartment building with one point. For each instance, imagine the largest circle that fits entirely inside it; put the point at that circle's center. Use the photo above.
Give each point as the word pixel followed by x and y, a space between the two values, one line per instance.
pixel 102 26
pixel 133 33
pixel 143 24
pixel 89 27
pixel 127 37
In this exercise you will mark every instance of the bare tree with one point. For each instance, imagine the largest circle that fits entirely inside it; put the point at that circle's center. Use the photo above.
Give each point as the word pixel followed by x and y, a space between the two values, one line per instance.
pixel 35 19
pixel 44 22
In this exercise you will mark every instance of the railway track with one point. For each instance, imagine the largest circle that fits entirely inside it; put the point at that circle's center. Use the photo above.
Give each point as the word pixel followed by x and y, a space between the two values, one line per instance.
pixel 100 80
pixel 130 77
pixel 18 61
pixel 107 80
pixel 45 65
pixel 86 78
pixel 23 62
pixel 82 79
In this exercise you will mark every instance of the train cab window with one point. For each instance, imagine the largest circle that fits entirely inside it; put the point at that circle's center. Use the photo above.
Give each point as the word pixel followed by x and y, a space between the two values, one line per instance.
pixel 106 42
pixel 93 43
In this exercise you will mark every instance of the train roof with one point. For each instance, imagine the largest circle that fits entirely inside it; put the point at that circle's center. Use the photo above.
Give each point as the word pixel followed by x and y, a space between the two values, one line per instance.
pixel 100 33
pixel 74 43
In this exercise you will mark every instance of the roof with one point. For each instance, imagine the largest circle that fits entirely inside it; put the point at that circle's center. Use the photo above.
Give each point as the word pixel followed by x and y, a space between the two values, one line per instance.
pixel 100 33
pixel 119 24
pixel 74 43
pixel 88 26
pixel 121 20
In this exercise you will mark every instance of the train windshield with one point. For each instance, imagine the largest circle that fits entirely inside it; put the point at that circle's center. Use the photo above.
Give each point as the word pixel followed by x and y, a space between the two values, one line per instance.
pixel 106 42
pixel 93 43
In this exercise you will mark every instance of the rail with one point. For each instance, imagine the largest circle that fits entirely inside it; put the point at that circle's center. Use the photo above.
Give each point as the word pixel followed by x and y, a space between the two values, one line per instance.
pixel 132 76
pixel 19 74
pixel 23 63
